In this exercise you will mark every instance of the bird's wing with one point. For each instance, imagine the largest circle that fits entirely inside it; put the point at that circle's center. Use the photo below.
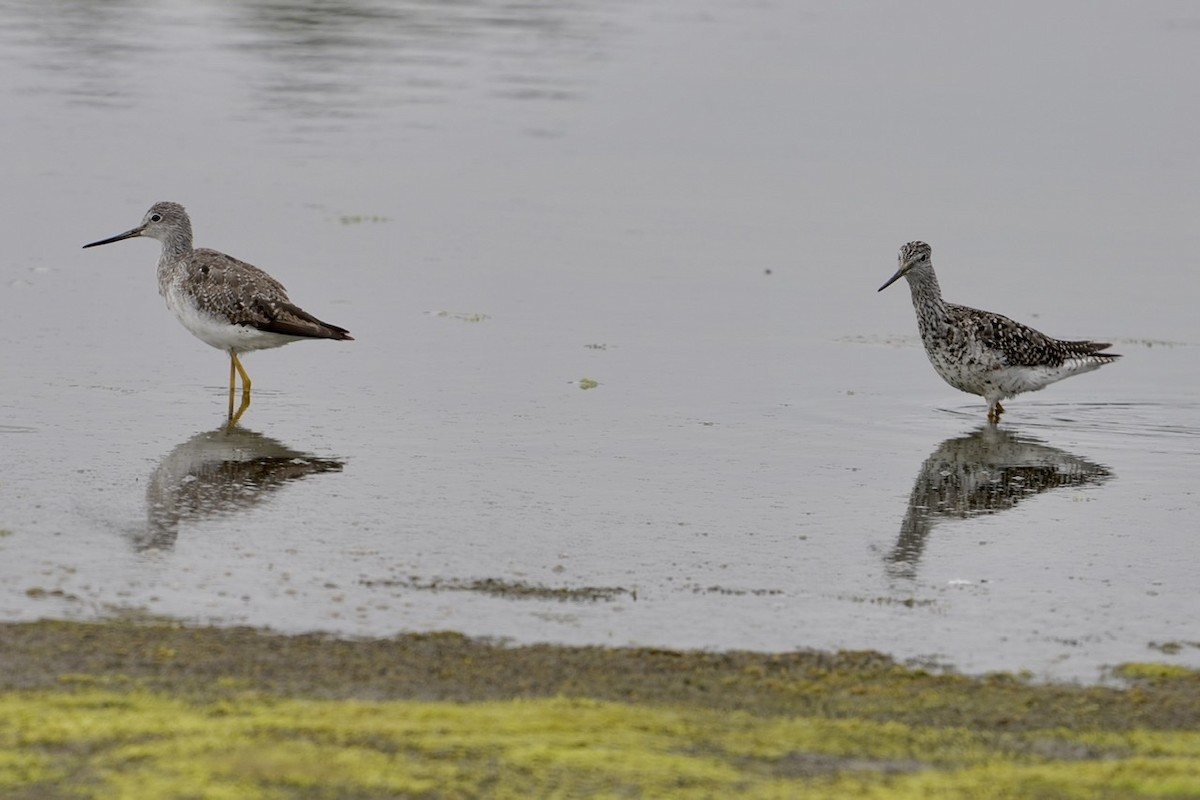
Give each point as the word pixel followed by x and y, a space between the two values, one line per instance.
pixel 287 318
pixel 220 283
pixel 1022 346
pixel 223 285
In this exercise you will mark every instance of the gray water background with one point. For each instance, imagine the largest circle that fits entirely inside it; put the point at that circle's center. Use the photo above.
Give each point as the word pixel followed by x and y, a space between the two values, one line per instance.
pixel 688 202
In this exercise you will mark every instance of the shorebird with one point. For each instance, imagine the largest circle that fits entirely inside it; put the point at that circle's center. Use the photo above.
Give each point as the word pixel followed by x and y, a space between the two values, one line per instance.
pixel 983 353
pixel 228 304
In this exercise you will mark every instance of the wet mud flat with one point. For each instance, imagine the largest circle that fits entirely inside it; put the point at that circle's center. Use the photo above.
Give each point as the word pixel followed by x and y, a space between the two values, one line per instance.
pixel 155 709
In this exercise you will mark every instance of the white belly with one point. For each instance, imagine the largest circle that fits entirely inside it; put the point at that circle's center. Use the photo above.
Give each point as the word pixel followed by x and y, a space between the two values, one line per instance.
pixel 1003 382
pixel 217 331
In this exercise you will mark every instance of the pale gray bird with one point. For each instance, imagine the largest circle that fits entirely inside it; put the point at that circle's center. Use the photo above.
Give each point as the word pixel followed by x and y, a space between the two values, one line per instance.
pixel 228 304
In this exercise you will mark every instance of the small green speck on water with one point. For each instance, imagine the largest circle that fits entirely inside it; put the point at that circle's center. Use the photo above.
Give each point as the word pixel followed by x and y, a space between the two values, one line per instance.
pixel 588 383
pixel 462 316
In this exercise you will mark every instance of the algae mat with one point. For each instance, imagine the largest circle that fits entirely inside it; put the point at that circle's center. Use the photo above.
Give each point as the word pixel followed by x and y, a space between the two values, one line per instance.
pixel 159 711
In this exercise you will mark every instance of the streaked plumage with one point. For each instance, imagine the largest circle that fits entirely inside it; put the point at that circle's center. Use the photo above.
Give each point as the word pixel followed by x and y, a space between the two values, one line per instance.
pixel 226 303
pixel 983 353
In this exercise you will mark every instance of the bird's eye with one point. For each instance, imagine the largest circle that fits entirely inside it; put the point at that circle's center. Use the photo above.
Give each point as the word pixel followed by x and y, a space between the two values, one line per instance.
pixel 156 217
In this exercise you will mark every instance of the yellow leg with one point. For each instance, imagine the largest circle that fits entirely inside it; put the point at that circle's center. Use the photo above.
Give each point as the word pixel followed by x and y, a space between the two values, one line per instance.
pixel 235 369
pixel 232 376
pixel 236 416
pixel 995 411
pixel 245 378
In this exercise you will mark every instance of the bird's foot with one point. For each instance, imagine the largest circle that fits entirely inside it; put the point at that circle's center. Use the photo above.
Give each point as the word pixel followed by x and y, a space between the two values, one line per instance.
pixel 236 416
pixel 995 411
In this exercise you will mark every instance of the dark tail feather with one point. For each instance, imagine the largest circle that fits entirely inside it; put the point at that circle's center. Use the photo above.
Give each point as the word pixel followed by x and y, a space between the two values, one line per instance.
pixel 1085 348
pixel 343 335
pixel 295 321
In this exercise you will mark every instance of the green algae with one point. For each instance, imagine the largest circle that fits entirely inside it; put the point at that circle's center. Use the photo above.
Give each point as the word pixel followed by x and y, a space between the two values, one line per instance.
pixel 127 710
pixel 99 743
pixel 1156 671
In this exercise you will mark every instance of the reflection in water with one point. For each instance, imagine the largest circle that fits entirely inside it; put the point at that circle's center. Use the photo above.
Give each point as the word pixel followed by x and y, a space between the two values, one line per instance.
pixel 986 472
pixel 312 59
pixel 325 59
pixel 219 472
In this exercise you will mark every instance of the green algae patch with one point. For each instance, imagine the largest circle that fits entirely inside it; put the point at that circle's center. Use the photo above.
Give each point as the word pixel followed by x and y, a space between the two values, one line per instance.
pixel 21 768
pixel 1156 672
pixel 102 744
pixel 148 708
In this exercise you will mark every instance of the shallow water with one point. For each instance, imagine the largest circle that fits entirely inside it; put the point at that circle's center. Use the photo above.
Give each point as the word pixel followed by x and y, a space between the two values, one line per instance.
pixel 689 204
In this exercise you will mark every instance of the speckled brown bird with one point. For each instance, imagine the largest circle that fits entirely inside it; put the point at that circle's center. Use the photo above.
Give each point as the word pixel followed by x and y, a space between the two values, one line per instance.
pixel 983 353
pixel 228 304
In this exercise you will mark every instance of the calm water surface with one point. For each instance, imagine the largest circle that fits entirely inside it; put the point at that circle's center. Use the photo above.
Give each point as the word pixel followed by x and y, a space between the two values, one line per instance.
pixel 690 204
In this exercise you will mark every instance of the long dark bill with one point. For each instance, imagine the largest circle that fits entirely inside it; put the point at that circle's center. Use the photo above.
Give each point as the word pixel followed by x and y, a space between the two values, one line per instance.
pixel 899 274
pixel 117 238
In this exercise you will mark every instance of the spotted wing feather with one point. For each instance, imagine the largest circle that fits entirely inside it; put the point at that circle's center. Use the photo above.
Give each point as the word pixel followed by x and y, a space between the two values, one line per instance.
pixel 224 286
pixel 1022 346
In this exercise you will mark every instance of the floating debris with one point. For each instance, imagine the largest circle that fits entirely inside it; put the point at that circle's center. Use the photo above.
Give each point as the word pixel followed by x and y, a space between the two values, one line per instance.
pixel 461 315
pixel 359 219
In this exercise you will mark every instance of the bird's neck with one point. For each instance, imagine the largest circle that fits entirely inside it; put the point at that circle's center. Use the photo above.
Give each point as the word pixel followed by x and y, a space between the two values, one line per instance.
pixel 926 293
pixel 174 253
pixel 177 246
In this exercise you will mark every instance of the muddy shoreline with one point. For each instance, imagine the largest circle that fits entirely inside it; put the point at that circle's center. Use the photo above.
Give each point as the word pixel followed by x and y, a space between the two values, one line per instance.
pixel 193 661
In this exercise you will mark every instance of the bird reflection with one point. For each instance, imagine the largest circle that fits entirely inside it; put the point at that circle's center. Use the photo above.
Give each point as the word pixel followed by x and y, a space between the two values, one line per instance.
pixel 986 472
pixel 219 472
